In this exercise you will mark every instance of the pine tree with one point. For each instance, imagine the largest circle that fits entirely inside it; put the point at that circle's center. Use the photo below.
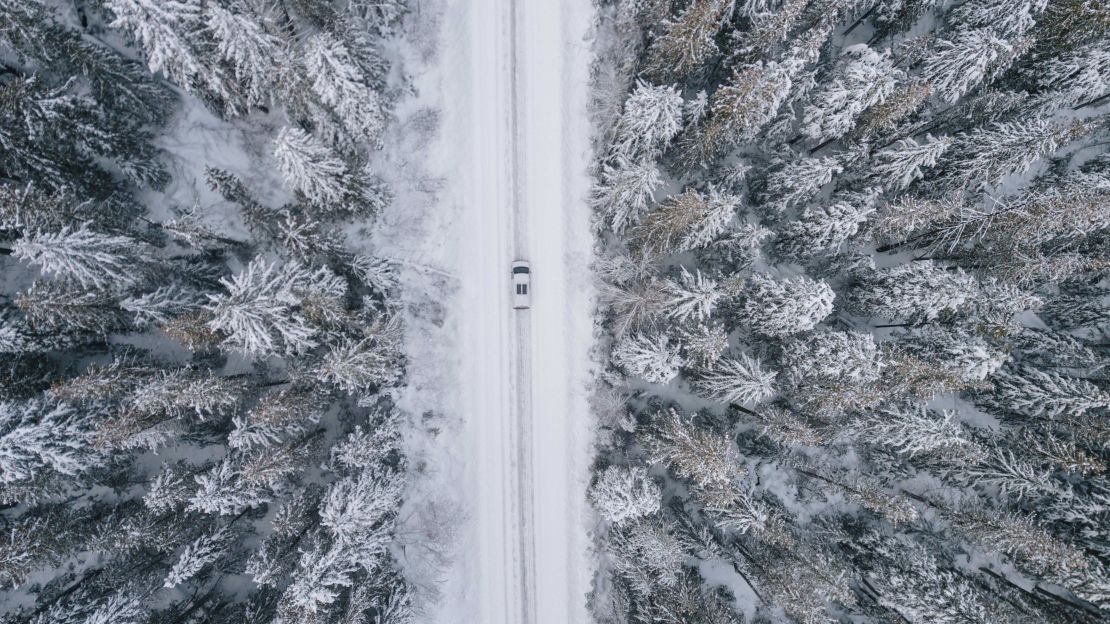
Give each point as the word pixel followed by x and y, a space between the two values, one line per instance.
pixel 688 41
pixel 863 79
pixel 652 117
pixel 171 35
pixel 797 182
pixel 357 366
pixel 969 58
pixel 53 307
pixel 315 172
pixel 1019 537
pixel 650 357
pixel 203 552
pixel 882 118
pixel 693 454
pixel 770 26
pixel 256 57
pixel 223 492
pixel 158 306
pixel 968 357
pixel 684 222
pixel 738 109
pixel 40 436
pixel 621 494
pixel 912 292
pixel 903 164
pixel 910 429
pixel 1071 79
pixel 827 356
pixel 823 229
pixel 984 156
pixel 91 259
pixel 739 379
pixel 778 308
pixel 703 344
pixel 261 312
pixel 340 82
pixel 625 189
pixel 647 555
pixel 1035 392
pixel 692 296
pixel 1074 22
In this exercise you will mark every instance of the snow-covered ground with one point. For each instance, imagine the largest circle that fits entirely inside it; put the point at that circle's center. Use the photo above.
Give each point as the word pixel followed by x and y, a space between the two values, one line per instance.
pixel 505 390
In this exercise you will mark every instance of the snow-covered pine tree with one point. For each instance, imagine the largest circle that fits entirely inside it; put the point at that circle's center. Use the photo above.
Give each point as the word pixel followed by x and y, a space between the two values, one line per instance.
pixel 779 308
pixel 261 311
pixel 341 82
pixel 257 58
pixel 797 182
pixel 1044 393
pixel 824 228
pixel 694 454
pixel 690 220
pixel 91 259
pixel 741 379
pixel 968 58
pixel 652 117
pixel 39 436
pixel 316 172
pixel 622 494
pixel 863 78
pixel 688 41
pixel 172 35
pixel 916 291
pixel 911 429
pixel 625 189
pixel 692 296
pixel 737 111
pixel 826 356
pixel 904 163
pixel 651 357
pixel 984 156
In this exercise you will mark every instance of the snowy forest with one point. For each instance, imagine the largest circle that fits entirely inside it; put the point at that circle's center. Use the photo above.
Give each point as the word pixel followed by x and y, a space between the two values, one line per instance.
pixel 195 423
pixel 854 263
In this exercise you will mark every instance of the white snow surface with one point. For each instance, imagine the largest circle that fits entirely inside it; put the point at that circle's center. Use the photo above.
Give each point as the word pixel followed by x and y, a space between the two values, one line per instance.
pixel 495 525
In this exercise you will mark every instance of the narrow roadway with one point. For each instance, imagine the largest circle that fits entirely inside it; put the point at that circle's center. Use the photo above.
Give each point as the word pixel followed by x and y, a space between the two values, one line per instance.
pixel 522 131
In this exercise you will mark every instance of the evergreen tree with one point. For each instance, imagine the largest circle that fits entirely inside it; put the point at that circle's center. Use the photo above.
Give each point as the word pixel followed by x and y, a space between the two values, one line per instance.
pixel 778 308
pixel 969 58
pixel 341 83
pixel 315 172
pixel 863 79
pixel 797 182
pixel 624 192
pixel 652 117
pixel 903 164
pixel 689 40
pixel 39 436
pixel 914 291
pixel 983 157
pixel 171 34
pixel 692 296
pixel 650 357
pixel 684 222
pixel 737 380
pixel 262 311
pixel 622 494
pixel 91 259
pixel 822 229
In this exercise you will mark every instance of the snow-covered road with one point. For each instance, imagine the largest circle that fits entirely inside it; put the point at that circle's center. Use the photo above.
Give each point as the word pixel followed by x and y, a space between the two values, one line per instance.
pixel 521 125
